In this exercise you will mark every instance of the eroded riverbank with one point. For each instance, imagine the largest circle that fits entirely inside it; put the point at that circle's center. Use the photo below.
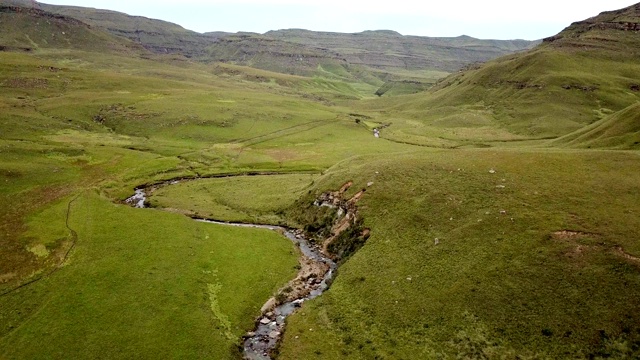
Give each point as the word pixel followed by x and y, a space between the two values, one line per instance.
pixel 316 271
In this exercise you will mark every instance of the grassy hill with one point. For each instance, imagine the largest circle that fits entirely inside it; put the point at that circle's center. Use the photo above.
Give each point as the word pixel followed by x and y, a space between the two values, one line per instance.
pixel 406 64
pixel 484 242
pixel 80 129
pixel 158 36
pixel 54 31
pixel 392 63
pixel 490 253
pixel 584 74
pixel 620 130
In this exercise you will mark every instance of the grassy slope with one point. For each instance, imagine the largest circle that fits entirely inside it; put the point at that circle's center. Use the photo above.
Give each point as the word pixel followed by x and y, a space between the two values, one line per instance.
pixel 514 98
pixel 376 58
pixel 619 130
pixel 55 31
pixel 156 35
pixel 140 282
pixel 538 259
pixel 499 282
pixel 559 87
pixel 390 50
pixel 385 60
pixel 75 121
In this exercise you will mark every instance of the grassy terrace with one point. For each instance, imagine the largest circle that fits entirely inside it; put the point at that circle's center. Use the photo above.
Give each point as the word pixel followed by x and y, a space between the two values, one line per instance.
pixel 248 199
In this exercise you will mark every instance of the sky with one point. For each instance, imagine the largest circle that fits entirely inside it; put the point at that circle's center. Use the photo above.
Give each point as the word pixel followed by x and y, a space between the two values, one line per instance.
pixel 489 19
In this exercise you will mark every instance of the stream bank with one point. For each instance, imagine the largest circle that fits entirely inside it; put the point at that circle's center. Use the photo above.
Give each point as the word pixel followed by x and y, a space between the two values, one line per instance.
pixel 317 262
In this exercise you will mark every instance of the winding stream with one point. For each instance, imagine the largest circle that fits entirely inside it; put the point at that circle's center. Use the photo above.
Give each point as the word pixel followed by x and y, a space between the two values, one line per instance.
pixel 270 325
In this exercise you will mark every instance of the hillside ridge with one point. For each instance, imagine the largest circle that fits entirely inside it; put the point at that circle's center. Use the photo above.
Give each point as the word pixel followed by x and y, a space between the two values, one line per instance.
pixel 385 50
pixel 579 77
pixel 625 19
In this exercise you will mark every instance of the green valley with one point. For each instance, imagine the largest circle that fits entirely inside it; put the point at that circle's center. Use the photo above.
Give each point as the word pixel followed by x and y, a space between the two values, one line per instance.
pixel 496 216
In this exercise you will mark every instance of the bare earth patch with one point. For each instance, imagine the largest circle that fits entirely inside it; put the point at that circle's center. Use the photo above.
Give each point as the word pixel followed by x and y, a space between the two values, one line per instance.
pixel 618 250
pixel 570 235
pixel 311 272
pixel 27 83
pixel 7 277
pixel 580 249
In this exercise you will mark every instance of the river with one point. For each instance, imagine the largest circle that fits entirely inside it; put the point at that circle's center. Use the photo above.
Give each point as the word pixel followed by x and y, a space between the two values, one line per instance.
pixel 259 342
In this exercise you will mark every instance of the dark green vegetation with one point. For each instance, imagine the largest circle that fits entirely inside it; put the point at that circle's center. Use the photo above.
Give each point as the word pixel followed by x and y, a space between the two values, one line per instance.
pixel 503 202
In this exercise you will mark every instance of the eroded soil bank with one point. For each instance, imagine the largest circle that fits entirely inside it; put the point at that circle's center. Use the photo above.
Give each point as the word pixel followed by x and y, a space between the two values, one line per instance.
pixel 320 245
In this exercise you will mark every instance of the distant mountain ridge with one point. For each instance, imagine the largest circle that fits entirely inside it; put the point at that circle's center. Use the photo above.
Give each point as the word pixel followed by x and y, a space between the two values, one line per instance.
pixel 295 51
pixel 384 48
pixel 28 29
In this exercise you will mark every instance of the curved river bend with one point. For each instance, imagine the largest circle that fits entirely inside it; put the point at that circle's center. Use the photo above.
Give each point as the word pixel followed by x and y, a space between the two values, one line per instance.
pixel 270 326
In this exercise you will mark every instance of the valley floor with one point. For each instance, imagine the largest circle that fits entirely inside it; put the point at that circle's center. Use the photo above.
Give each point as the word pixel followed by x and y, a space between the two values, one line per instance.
pixel 504 247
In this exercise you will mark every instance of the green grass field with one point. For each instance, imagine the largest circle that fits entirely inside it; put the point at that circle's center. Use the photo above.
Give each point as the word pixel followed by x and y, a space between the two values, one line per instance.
pixel 503 206
pixel 248 199
pixel 144 282
pixel 502 280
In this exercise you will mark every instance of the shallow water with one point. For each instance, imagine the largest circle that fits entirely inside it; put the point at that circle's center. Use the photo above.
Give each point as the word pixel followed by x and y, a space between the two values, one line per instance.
pixel 264 338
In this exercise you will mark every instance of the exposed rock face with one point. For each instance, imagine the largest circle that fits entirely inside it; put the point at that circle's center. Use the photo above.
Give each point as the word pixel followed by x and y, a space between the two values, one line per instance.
pixel 43 14
pixel 627 19
pixel 389 49
pixel 271 54
pixel 311 274
pixel 346 227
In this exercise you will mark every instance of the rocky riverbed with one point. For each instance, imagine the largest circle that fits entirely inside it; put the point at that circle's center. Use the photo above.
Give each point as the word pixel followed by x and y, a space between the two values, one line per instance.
pixel 314 277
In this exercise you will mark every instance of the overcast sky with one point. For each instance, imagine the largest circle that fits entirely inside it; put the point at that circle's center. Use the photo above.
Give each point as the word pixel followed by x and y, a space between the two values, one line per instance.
pixel 489 19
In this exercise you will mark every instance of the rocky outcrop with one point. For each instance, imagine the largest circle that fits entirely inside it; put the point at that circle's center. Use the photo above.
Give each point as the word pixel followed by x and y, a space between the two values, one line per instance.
pixel 41 13
pixel 346 234
pixel 627 19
